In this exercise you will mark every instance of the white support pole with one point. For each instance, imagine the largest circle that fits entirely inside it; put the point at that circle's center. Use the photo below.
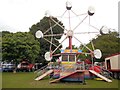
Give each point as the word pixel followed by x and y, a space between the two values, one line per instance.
pixel 68 58
pixel 75 58
pixel 83 65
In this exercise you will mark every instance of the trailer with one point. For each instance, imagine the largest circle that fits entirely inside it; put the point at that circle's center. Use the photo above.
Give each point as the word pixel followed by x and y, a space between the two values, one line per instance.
pixel 112 63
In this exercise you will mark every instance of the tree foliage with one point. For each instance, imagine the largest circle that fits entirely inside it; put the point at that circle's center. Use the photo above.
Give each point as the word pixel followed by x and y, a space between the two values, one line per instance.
pixel 20 45
pixel 73 47
pixel 43 26
pixel 108 44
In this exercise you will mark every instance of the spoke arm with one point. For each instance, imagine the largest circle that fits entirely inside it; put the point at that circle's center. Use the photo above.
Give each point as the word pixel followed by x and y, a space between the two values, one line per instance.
pixel 92 45
pixel 74 13
pixel 80 22
pixel 69 20
pixel 79 14
pixel 86 53
pixel 83 44
pixel 50 42
pixel 63 13
pixel 94 27
pixel 50 27
pixel 47 30
pixel 89 20
pixel 53 35
pixel 57 23
pixel 85 32
pixel 59 45
pixel 91 40
pixel 56 55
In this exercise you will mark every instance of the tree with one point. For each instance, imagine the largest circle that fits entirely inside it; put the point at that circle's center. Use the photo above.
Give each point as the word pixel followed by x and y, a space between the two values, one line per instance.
pixel 5 32
pixel 73 47
pixel 44 25
pixel 20 45
pixel 108 44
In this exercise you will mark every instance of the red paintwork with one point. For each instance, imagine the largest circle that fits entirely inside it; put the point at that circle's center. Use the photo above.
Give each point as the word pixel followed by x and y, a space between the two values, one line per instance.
pixel 113 55
pixel 79 62
pixel 30 66
pixel 88 61
pixel 77 71
pixel 95 68
pixel 114 70
pixel 70 42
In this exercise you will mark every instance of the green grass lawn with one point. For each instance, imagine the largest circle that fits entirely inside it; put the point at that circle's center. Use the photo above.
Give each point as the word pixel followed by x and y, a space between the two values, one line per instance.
pixel 26 80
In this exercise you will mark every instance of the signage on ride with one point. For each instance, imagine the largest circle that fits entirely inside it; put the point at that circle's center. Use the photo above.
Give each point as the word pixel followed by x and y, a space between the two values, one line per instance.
pixel 71 51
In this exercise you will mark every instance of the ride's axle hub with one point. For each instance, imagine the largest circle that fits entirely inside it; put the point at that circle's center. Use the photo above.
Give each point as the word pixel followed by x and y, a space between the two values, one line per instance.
pixel 70 33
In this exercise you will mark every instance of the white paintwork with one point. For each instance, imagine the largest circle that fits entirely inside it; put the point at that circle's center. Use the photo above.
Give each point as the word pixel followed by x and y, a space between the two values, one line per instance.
pixel 99 75
pixel 43 75
pixel 114 61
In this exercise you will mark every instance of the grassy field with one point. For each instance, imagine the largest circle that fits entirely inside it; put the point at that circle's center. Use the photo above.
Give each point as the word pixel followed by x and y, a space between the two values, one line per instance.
pixel 26 80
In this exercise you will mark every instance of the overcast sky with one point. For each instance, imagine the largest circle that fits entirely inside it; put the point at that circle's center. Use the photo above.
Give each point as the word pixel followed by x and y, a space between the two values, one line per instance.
pixel 20 15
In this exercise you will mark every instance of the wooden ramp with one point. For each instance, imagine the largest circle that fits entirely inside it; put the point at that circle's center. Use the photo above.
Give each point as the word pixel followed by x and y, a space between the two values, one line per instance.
pixel 43 75
pixel 56 80
pixel 99 75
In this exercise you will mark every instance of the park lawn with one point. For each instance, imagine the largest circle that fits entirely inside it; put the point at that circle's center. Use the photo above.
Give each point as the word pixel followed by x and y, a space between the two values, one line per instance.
pixel 26 80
